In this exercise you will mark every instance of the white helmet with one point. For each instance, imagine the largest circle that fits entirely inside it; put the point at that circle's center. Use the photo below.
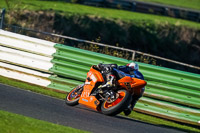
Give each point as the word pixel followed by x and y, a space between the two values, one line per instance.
pixel 133 66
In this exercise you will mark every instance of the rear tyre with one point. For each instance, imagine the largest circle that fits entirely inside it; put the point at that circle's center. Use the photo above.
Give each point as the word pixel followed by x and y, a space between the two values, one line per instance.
pixel 73 96
pixel 117 106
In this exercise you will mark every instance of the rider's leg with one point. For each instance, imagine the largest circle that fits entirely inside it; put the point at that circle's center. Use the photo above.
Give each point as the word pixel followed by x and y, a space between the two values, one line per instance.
pixel 133 102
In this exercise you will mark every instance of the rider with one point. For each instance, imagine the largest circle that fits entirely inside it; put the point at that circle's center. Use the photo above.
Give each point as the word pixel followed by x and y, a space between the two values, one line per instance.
pixel 133 70
pixel 108 72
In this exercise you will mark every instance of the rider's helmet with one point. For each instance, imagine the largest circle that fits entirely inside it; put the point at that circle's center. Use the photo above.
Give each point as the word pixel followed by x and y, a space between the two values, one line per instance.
pixel 133 66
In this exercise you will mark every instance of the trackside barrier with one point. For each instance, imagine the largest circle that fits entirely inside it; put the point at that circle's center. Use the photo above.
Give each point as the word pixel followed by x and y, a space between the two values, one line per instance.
pixel 25 58
pixel 24 74
pixel 170 94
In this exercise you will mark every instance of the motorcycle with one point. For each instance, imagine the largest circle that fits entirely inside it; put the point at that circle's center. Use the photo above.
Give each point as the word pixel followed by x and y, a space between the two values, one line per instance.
pixel 108 101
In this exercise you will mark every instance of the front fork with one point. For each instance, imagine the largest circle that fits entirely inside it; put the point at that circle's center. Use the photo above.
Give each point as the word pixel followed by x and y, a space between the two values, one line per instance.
pixel 79 89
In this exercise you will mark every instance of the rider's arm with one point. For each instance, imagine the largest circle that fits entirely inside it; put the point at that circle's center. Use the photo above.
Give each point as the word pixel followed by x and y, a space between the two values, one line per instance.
pixel 123 69
pixel 138 75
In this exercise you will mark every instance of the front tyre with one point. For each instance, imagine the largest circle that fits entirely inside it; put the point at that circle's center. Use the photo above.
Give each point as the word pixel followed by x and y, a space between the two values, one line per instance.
pixel 118 105
pixel 73 96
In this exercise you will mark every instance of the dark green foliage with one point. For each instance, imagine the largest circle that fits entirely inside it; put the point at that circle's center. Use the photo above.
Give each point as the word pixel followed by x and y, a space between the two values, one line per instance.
pixel 167 40
pixel 170 41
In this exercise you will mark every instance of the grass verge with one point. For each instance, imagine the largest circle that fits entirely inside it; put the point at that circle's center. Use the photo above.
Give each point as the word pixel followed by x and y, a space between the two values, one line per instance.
pixel 134 115
pixel 14 123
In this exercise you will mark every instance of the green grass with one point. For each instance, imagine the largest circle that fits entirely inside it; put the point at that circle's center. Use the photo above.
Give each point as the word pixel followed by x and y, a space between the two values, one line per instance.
pixel 14 123
pixel 193 4
pixel 134 115
pixel 71 9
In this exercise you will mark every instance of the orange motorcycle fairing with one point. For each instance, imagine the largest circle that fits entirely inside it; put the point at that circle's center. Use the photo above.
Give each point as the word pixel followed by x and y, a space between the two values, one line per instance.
pixel 90 102
pixel 138 85
pixel 133 85
pixel 93 76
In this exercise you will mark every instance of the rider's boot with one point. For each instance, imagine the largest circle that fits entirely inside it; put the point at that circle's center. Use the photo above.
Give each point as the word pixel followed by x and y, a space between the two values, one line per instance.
pixel 128 110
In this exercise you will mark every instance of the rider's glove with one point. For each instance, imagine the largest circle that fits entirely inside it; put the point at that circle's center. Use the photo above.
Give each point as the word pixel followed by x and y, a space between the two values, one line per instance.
pixel 105 85
pixel 100 86
pixel 108 84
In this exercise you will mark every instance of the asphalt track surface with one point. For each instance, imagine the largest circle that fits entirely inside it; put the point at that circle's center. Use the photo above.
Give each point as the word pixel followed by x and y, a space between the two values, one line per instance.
pixel 54 110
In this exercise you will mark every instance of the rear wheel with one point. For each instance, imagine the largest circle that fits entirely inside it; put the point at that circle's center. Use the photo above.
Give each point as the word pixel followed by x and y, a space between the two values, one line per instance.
pixel 73 96
pixel 116 106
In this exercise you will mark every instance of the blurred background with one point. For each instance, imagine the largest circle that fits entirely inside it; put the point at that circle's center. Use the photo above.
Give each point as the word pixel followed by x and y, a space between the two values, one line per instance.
pixel 165 28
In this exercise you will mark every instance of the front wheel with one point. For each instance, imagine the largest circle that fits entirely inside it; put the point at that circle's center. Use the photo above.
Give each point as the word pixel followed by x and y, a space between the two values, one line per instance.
pixel 115 107
pixel 73 96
